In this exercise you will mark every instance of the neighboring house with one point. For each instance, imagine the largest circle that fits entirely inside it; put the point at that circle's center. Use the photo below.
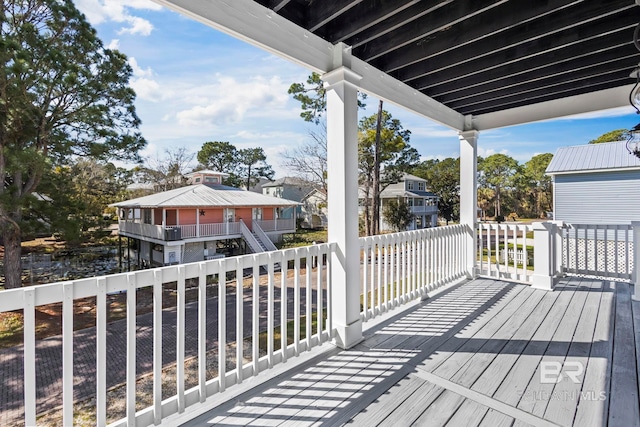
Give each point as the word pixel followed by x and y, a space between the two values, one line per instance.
pixel 595 184
pixel 314 209
pixel 413 191
pixel 185 224
pixel 290 188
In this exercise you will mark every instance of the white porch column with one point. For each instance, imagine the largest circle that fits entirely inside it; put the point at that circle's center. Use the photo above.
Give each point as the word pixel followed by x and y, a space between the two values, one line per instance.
pixel 544 255
pixel 636 259
pixel 197 222
pixel 469 194
pixel 342 177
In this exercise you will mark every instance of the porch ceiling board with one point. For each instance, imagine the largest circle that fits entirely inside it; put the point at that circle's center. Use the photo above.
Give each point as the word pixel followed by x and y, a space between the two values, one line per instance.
pixel 447 59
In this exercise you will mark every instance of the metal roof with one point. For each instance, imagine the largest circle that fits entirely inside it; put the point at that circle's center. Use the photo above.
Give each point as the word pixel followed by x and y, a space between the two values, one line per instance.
pixel 470 65
pixel 202 195
pixel 592 157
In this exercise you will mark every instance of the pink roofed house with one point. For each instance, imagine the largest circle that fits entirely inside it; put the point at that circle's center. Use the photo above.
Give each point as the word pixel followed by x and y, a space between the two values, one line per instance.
pixel 186 224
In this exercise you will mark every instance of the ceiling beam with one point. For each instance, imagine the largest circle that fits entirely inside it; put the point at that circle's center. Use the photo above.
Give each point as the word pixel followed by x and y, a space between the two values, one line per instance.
pixel 261 27
pixel 419 32
pixel 559 29
pixel 319 13
pixel 395 21
pixel 553 90
pixel 369 13
pixel 555 61
pixel 579 104
pixel 614 30
pixel 276 5
pixel 569 70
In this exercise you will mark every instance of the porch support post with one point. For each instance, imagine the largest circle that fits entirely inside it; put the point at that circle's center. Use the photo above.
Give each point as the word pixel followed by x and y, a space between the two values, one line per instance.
pixel 197 222
pixel 636 259
pixel 469 195
pixel 342 149
pixel 544 255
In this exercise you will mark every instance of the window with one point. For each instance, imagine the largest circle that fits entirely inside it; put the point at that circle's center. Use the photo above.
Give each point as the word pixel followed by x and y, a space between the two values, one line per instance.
pixel 213 179
pixel 257 214
pixel 410 202
pixel 421 186
pixel 409 185
pixel 419 202
pixel 147 216
pixel 198 179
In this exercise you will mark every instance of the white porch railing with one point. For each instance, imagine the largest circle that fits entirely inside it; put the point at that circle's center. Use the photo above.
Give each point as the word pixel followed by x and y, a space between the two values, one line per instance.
pixel 505 251
pixel 261 310
pixel 400 267
pixel 186 231
pixel 598 250
pixel 285 224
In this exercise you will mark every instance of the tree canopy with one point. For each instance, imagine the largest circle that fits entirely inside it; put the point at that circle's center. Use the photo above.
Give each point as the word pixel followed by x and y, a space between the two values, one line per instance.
pixel 245 166
pixel 62 95
pixel 612 136
pixel 443 179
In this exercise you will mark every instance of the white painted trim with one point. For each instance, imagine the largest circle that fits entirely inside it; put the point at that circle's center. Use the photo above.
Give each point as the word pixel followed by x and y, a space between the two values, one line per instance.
pixel 583 171
pixel 594 101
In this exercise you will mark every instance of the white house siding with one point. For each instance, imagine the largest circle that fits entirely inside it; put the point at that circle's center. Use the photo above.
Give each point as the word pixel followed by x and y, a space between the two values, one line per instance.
pixel 598 197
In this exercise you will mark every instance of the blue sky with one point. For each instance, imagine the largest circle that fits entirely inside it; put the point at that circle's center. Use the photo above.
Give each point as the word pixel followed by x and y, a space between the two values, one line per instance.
pixel 196 84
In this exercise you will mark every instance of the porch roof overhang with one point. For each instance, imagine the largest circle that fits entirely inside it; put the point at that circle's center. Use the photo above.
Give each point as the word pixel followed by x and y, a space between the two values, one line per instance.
pixel 467 65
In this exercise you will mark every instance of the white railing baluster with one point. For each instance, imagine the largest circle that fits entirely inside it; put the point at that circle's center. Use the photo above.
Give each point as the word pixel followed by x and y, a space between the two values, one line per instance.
pixel 270 307
pixel 309 295
pixel 239 320
pixel 283 305
pixel 372 289
pixel 101 352
pixel 320 296
pixel 365 279
pixel 222 325
pixel 29 381
pixel 255 315
pixel 296 302
pixel 386 281
pixel 157 347
pixel 67 354
pixel 131 350
pixel 202 330
pixel 180 337
pixel 379 284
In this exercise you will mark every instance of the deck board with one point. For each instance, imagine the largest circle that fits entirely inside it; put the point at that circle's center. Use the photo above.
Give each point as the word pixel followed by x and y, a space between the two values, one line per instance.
pixel 536 395
pixel 623 402
pixel 561 409
pixel 468 357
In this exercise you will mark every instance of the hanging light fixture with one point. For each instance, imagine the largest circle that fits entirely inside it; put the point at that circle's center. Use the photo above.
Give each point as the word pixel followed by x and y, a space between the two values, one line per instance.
pixel 633 143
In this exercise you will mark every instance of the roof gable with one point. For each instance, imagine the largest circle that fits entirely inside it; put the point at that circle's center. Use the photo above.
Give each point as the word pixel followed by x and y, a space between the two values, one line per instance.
pixel 592 158
pixel 204 195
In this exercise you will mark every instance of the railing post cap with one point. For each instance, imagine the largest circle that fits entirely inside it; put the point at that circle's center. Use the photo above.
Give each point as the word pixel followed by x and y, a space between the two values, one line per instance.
pixel 542 225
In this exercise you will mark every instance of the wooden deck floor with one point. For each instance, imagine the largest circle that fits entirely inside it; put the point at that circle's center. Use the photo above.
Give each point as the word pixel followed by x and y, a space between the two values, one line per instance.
pixel 484 353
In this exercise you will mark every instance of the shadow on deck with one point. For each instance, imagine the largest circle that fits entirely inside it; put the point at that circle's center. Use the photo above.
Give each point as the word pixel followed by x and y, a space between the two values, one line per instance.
pixel 486 352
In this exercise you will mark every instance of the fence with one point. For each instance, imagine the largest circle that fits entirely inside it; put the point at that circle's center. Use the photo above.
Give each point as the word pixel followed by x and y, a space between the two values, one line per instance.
pixel 598 250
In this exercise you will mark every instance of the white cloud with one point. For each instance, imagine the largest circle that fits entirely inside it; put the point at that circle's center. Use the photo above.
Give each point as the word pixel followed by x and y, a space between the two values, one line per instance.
pixel 433 131
pixel 99 11
pixel 143 84
pixel 486 152
pixel 137 26
pixel 230 101
pixel 114 44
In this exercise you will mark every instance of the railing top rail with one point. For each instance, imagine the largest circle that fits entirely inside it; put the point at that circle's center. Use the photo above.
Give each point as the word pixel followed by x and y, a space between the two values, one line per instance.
pixel 14 299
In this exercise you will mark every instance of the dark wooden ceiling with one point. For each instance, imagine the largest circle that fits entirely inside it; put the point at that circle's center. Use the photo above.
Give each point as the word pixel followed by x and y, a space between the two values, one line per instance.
pixel 482 56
